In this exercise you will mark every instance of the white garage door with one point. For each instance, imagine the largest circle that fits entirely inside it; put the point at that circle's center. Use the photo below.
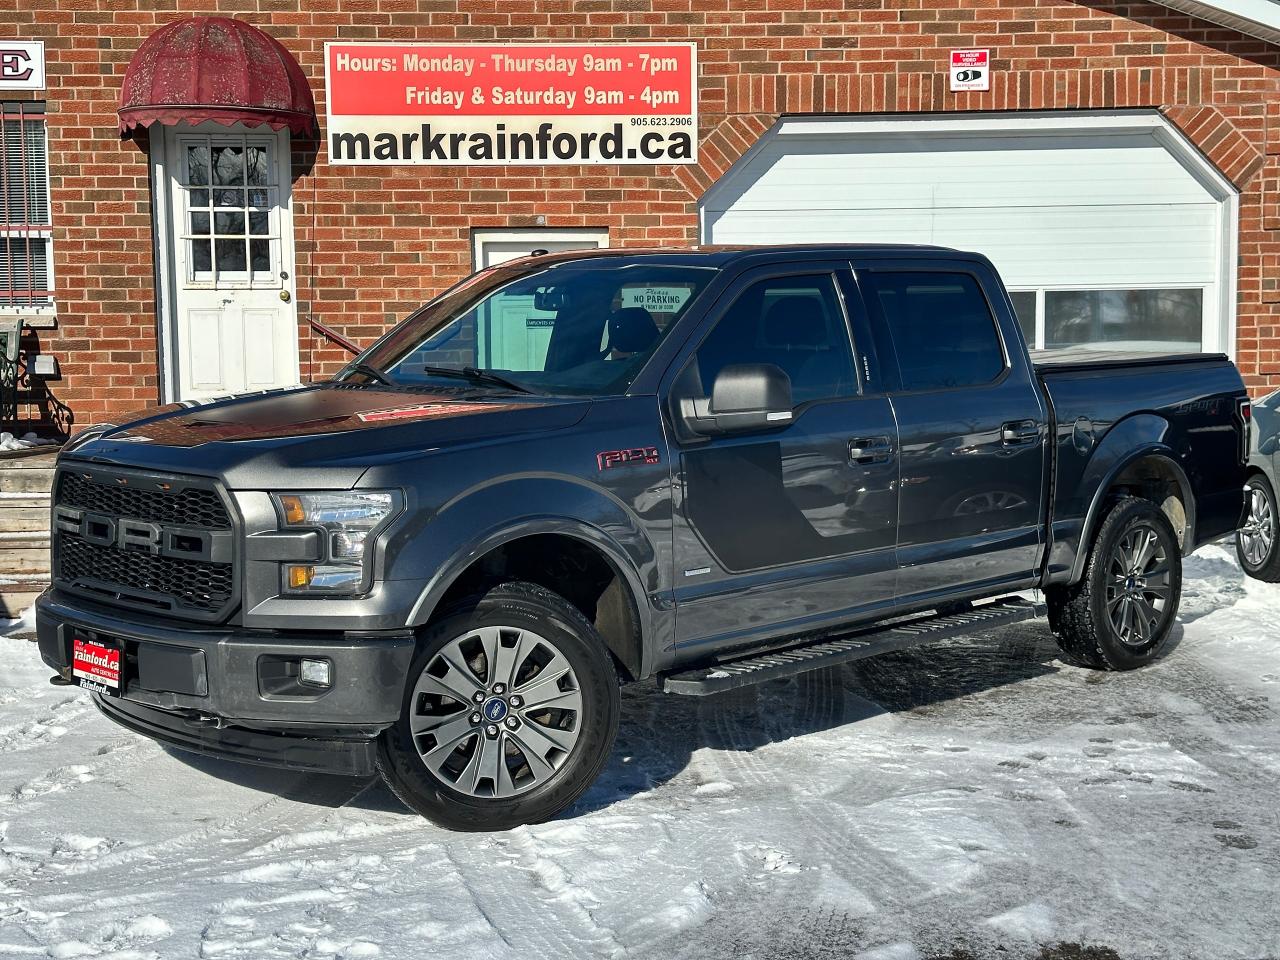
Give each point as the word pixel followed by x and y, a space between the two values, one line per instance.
pixel 1109 228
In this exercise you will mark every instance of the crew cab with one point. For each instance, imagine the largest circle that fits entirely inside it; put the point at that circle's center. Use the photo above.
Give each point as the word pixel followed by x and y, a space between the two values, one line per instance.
pixel 709 467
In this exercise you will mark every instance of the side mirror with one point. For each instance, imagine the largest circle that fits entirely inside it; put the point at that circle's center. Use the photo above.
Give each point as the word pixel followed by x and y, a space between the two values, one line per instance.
pixel 746 396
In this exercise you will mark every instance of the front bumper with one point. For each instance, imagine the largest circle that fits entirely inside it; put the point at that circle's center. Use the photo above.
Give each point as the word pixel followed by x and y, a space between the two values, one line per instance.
pixel 290 751
pixel 213 689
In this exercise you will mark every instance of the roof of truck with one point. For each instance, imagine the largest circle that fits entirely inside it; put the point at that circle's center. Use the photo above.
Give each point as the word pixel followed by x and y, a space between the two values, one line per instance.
pixel 725 255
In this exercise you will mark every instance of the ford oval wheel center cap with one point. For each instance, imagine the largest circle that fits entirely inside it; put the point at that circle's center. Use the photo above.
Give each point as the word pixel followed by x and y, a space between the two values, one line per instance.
pixel 495 709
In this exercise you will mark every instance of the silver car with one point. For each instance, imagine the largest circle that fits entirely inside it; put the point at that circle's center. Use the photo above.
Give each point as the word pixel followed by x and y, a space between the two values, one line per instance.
pixel 1256 540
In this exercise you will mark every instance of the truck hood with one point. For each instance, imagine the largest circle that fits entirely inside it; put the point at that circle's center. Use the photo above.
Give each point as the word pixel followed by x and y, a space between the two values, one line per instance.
pixel 324 435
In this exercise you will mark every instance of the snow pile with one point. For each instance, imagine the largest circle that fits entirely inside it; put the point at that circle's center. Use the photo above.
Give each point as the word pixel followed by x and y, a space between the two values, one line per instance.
pixel 976 798
pixel 9 442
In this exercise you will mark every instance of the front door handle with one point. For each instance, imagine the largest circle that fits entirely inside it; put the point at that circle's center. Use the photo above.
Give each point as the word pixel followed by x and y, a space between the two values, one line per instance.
pixel 1019 433
pixel 866 450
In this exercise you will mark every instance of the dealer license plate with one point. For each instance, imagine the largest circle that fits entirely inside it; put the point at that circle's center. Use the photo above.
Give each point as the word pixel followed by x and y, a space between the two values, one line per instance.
pixel 97 665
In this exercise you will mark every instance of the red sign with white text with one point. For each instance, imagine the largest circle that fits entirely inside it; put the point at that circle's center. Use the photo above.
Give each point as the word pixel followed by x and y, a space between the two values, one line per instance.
pixel 96 665
pixel 511 103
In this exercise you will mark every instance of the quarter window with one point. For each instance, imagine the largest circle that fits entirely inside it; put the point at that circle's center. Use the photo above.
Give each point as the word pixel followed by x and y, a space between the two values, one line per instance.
pixel 26 245
pixel 942 328
pixel 795 323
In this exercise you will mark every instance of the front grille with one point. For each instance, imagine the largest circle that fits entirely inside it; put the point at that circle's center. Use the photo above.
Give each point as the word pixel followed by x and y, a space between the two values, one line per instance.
pixel 97 551
pixel 189 584
pixel 191 507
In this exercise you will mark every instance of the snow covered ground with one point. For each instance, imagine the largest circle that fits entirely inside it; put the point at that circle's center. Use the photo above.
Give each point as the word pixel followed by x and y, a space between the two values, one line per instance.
pixel 970 800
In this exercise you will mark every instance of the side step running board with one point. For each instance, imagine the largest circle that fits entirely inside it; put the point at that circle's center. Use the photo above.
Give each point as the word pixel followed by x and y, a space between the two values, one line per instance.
pixel 881 638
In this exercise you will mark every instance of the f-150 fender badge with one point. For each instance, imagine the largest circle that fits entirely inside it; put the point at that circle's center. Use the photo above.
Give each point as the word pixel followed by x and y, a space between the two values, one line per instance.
pixel 608 459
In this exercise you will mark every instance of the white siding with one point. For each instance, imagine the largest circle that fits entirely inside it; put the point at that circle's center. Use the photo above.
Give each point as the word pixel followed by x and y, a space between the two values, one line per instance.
pixel 1059 210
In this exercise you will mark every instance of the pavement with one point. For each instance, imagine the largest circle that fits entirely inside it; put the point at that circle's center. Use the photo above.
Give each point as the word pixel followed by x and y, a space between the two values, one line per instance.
pixel 978 798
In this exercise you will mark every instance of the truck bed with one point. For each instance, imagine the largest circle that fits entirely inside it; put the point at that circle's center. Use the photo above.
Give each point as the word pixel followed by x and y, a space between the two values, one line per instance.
pixel 1078 358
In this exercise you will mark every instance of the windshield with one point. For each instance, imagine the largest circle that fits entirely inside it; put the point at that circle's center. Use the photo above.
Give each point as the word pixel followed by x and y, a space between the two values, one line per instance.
pixel 578 328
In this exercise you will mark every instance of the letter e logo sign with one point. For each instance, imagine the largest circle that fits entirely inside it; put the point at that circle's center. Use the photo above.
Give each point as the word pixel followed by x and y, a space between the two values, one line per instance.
pixel 21 65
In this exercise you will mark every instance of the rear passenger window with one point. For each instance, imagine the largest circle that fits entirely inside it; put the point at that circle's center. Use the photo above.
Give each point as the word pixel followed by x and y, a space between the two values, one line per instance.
pixel 942 328
pixel 795 323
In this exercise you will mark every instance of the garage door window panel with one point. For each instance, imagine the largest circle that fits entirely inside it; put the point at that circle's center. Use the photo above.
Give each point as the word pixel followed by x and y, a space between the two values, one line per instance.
pixel 942 328
pixel 1024 307
pixel 1154 320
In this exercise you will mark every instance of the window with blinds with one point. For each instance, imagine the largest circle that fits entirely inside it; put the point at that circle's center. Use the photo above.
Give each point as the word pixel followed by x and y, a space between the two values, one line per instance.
pixel 26 236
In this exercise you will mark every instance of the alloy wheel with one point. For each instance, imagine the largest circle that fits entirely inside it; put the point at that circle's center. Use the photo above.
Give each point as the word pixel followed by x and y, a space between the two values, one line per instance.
pixel 1259 530
pixel 496 712
pixel 1138 585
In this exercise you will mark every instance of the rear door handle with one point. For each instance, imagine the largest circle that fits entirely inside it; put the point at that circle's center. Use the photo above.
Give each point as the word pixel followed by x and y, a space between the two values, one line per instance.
pixel 867 450
pixel 1018 433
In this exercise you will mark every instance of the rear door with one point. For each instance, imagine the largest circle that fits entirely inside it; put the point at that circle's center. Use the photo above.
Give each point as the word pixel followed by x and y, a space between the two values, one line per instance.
pixel 773 524
pixel 972 427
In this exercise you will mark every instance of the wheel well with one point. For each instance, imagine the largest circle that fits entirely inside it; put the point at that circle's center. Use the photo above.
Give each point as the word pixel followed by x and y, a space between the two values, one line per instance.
pixel 572 568
pixel 1156 479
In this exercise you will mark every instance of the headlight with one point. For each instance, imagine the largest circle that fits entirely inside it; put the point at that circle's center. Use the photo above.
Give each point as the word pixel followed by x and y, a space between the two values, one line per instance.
pixel 348 522
pixel 85 435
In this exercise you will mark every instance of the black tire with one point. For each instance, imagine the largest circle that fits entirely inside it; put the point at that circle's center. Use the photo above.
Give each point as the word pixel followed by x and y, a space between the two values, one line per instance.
pixel 1265 564
pixel 1081 614
pixel 555 622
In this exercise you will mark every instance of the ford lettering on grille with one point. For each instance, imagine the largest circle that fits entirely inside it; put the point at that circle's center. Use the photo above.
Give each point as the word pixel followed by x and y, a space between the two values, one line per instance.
pixel 125 533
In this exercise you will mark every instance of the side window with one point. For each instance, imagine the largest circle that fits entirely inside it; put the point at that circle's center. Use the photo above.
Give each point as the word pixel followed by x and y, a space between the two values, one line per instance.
pixel 795 323
pixel 941 325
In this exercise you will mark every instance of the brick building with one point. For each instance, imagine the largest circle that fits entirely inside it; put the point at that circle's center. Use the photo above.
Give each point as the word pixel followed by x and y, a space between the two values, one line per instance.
pixel 1123 171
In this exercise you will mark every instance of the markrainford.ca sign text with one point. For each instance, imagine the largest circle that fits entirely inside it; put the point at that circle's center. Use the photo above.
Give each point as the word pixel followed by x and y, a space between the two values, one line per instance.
pixel 393 103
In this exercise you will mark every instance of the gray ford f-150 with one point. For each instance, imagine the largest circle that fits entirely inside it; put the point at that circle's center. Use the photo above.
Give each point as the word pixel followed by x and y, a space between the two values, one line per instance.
pixel 711 467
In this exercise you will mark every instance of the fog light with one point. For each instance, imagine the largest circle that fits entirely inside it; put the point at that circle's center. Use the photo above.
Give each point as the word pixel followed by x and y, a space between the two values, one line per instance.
pixel 299 576
pixel 315 672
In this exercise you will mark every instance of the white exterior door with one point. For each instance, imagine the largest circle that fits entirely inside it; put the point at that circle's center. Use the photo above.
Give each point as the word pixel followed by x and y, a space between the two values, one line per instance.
pixel 228 260
pixel 500 343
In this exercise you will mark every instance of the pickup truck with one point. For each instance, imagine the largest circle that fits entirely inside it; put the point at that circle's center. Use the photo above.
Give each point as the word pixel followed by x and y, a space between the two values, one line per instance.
pixel 709 467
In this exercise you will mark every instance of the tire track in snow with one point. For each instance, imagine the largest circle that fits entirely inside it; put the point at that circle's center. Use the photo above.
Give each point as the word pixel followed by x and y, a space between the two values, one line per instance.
pixel 829 823
pixel 554 922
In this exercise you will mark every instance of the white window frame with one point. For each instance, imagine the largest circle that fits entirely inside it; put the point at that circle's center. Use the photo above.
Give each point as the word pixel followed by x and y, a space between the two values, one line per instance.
pixel 45 315
pixel 479 237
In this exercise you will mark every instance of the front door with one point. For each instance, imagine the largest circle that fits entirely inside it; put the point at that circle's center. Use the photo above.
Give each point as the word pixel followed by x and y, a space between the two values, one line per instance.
pixel 786 529
pixel 231 324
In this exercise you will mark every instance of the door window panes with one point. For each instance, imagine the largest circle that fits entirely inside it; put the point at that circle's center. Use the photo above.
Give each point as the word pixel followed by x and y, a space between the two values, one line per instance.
pixel 229 186
pixel 942 328
pixel 1148 320
pixel 795 323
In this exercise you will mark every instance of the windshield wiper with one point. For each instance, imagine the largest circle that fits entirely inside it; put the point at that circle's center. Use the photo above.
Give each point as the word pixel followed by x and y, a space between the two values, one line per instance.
pixel 372 372
pixel 476 375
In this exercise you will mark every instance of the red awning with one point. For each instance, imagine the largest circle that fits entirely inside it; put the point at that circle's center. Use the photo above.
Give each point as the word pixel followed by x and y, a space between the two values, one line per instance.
pixel 215 68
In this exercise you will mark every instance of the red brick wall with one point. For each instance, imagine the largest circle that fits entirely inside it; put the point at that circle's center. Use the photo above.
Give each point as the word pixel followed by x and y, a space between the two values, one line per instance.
pixel 372 244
